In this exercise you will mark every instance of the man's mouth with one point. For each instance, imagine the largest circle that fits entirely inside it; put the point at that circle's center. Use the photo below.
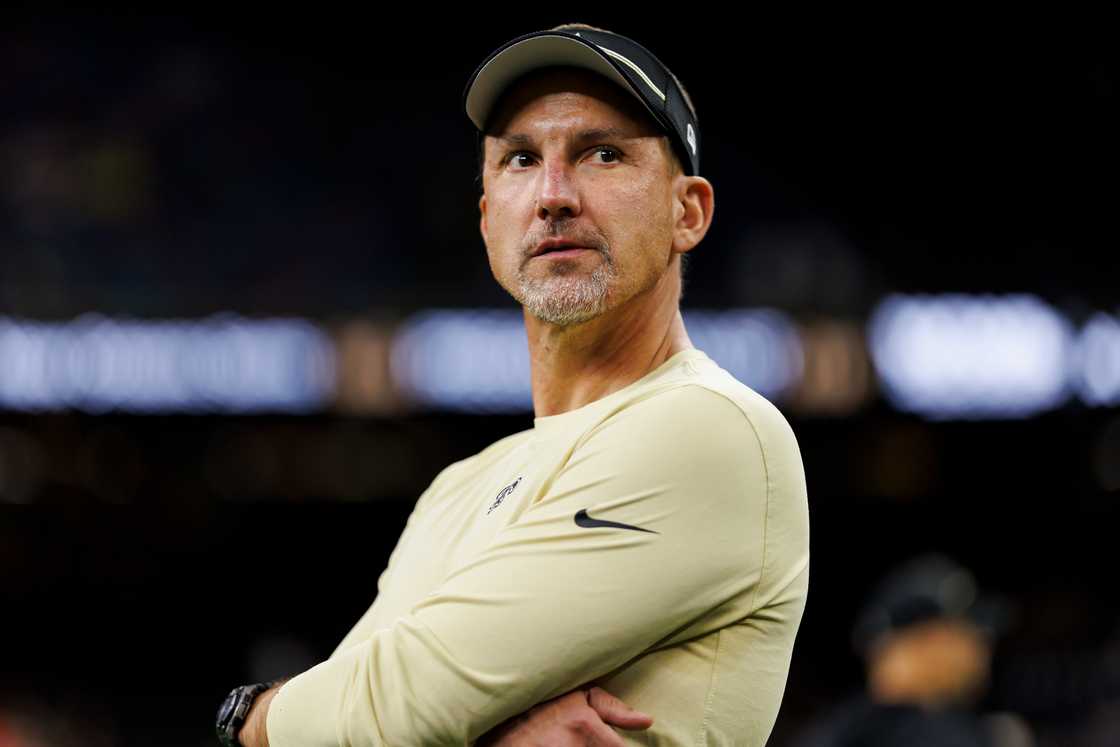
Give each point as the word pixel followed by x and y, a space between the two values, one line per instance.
pixel 568 251
pixel 559 248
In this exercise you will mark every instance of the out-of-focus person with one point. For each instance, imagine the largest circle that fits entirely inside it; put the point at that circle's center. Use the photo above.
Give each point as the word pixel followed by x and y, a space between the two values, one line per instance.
pixel 926 636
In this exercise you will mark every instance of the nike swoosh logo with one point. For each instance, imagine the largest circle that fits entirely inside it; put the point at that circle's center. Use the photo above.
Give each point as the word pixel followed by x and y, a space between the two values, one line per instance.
pixel 585 521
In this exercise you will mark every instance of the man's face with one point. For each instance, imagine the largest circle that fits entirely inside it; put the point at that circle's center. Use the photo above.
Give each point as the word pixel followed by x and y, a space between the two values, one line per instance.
pixel 574 159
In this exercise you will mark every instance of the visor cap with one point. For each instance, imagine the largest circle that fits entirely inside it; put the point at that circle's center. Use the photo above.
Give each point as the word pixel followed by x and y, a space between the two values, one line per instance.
pixel 621 60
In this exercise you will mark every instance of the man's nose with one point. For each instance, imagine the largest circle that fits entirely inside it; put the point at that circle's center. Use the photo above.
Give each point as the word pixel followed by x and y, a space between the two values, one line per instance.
pixel 557 191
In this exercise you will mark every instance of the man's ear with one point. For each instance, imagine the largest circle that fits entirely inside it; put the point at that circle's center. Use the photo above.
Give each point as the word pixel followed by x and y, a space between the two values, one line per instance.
pixel 694 204
pixel 482 218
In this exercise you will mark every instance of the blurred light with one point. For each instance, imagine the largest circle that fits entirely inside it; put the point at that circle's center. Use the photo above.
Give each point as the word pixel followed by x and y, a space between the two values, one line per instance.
pixel 220 364
pixel 957 356
pixel 1097 374
pixel 478 360
pixel 365 382
pixel 759 347
pixel 836 375
pixel 472 361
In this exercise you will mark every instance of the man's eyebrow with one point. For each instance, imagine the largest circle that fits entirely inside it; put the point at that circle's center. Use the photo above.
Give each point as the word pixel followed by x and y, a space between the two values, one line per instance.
pixel 520 140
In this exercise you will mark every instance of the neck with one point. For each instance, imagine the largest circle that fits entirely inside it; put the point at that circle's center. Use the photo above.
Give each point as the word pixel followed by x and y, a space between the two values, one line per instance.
pixel 575 365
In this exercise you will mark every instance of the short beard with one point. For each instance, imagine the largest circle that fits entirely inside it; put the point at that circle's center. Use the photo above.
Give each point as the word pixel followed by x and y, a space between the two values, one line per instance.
pixel 567 297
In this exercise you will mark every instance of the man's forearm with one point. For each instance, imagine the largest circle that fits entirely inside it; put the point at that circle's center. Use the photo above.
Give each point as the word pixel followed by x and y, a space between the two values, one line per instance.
pixel 557 719
pixel 255 731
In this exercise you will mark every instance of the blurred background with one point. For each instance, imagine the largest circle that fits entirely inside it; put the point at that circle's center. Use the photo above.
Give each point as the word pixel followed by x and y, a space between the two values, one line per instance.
pixel 246 317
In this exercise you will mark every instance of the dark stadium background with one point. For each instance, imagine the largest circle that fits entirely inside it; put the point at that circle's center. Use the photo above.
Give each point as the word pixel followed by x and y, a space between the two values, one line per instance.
pixel 322 168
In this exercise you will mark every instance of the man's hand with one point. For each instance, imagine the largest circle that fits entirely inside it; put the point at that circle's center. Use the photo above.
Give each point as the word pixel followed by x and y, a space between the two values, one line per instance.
pixel 582 718
pixel 254 733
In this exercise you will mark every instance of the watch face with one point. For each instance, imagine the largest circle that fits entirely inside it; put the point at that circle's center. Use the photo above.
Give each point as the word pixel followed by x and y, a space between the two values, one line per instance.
pixel 225 710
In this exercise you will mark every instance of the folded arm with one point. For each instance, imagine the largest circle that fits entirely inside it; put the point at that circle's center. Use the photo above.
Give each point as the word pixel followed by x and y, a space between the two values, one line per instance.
pixel 554 603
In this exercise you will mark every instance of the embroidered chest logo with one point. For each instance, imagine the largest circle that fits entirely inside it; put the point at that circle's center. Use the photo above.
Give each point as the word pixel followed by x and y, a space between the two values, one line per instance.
pixel 502 495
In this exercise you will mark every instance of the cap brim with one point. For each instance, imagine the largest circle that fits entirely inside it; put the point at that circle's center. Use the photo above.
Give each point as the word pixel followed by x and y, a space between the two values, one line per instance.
pixel 510 63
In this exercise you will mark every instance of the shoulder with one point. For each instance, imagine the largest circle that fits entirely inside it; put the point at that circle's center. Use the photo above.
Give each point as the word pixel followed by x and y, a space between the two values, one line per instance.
pixel 682 435
pixel 707 412
pixel 739 458
pixel 717 439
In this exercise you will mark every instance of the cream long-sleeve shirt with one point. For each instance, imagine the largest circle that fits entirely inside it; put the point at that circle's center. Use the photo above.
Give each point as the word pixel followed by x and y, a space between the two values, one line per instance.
pixel 654 542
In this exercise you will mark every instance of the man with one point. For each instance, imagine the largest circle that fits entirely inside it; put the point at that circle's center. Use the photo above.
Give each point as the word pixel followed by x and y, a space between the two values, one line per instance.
pixel 926 636
pixel 649 535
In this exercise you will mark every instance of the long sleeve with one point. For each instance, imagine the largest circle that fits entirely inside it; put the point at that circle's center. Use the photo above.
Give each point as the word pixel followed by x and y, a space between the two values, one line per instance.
pixel 551 604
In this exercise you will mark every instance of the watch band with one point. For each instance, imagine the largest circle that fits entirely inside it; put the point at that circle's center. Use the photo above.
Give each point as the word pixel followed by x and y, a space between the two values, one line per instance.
pixel 234 710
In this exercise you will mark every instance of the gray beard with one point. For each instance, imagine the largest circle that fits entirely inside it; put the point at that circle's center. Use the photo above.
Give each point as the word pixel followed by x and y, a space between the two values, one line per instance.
pixel 564 298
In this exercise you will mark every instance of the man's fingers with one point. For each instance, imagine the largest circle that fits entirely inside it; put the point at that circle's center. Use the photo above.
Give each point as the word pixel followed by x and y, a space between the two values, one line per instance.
pixel 613 711
pixel 598 734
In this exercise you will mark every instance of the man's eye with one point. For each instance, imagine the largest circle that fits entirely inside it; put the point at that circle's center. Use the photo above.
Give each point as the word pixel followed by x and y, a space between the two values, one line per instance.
pixel 608 155
pixel 520 160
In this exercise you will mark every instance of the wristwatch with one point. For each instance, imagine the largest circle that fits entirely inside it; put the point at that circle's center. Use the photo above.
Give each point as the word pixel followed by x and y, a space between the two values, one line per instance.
pixel 234 709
